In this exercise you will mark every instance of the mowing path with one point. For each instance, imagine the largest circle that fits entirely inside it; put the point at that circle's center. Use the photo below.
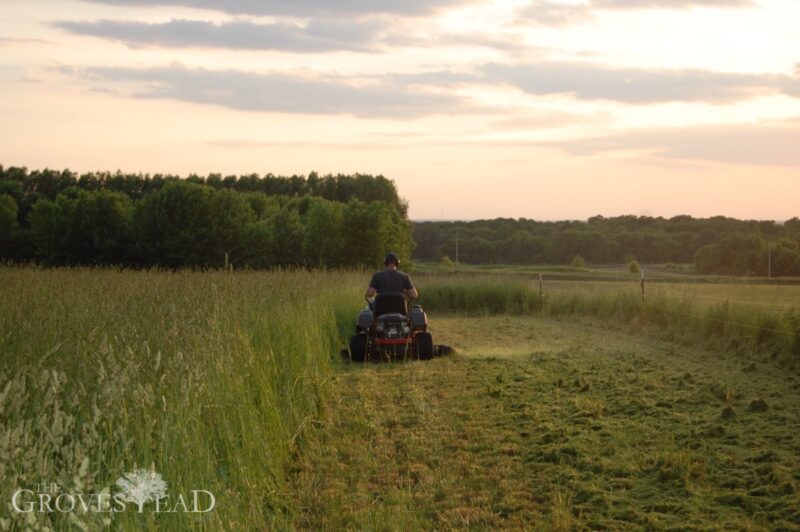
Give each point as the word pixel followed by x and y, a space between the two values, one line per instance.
pixel 544 424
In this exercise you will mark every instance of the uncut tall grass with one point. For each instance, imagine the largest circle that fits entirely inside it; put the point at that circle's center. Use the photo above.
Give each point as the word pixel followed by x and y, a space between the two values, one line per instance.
pixel 209 377
pixel 477 295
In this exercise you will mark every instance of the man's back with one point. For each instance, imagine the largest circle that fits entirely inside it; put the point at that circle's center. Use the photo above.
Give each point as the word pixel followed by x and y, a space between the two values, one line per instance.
pixel 390 280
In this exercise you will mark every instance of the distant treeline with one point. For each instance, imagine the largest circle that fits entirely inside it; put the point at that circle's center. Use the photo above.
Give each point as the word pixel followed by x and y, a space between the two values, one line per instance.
pixel 717 245
pixel 61 218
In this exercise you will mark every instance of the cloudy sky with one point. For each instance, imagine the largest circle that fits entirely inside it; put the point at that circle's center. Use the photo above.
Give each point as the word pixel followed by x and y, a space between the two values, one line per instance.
pixel 546 109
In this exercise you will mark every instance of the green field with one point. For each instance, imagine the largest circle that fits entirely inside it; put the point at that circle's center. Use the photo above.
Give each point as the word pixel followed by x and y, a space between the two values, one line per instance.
pixel 585 409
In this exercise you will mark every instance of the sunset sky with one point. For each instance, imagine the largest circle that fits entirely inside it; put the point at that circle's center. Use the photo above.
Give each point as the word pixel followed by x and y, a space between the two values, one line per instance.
pixel 546 109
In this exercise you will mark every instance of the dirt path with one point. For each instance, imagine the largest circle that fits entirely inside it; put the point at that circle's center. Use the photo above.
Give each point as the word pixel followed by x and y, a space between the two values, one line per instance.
pixel 545 424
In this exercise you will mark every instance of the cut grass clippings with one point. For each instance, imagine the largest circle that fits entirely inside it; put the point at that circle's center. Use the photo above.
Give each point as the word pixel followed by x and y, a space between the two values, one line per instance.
pixel 543 424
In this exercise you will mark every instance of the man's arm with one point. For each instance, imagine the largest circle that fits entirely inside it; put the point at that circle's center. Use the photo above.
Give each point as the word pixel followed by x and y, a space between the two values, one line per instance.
pixel 409 289
pixel 372 289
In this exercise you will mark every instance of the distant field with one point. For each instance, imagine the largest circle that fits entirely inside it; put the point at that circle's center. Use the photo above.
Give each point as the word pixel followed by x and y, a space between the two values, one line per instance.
pixel 562 280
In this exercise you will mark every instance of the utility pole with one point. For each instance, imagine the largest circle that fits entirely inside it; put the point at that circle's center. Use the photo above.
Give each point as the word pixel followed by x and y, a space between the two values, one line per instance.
pixel 456 247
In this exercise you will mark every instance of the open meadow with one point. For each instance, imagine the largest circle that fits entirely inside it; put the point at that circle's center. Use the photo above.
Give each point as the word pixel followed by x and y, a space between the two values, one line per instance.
pixel 583 409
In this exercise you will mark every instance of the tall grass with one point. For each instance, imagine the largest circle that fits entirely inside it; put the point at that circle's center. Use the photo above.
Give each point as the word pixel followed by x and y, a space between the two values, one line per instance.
pixel 209 378
pixel 477 296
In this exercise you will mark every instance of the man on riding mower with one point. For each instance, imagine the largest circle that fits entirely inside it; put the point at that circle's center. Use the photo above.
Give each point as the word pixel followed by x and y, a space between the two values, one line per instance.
pixel 391 279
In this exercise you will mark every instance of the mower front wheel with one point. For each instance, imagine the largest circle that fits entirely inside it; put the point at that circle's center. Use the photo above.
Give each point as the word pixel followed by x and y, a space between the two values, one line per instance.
pixel 358 347
pixel 424 344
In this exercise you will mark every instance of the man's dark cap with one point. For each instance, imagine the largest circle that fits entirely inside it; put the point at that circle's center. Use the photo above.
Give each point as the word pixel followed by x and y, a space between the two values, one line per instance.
pixel 391 258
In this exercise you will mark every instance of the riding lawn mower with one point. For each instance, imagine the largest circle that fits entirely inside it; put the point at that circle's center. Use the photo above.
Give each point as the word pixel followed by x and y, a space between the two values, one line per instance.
pixel 387 328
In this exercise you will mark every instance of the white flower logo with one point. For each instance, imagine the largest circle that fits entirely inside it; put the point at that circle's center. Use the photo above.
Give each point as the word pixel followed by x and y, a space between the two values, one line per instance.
pixel 141 486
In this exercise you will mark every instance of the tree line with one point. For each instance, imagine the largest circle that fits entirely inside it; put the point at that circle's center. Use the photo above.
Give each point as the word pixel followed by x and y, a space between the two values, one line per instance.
pixel 61 218
pixel 717 245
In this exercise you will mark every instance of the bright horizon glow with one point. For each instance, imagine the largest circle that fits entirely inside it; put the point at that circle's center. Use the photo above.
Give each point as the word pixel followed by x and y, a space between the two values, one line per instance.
pixel 475 109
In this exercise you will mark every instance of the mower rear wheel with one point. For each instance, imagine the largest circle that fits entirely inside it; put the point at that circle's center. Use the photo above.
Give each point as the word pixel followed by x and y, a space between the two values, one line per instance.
pixel 358 347
pixel 424 342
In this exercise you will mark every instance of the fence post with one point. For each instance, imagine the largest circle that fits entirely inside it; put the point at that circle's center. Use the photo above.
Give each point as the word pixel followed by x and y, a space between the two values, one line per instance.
pixel 642 286
pixel 541 296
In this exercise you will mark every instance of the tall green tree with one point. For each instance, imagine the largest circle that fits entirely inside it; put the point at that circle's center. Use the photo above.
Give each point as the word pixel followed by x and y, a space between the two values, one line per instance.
pixel 82 228
pixel 786 257
pixel 9 226
pixel 287 232
pixel 47 230
pixel 187 224
pixel 372 229
pixel 323 239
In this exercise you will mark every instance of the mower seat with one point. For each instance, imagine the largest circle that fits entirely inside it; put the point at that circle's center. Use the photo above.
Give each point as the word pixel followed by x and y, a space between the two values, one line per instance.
pixel 390 303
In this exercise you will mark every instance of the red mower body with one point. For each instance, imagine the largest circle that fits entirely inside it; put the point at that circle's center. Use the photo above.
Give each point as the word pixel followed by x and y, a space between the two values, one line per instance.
pixel 387 328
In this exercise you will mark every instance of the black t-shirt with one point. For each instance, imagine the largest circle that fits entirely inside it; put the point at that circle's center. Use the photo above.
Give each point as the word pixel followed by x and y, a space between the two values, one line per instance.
pixel 386 281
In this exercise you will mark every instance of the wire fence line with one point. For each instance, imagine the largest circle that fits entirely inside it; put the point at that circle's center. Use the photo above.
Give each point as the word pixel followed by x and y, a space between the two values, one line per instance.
pixel 652 278
pixel 604 287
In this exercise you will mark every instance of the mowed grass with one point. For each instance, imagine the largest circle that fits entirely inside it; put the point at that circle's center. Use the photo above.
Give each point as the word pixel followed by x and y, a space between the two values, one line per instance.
pixel 209 378
pixel 556 424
